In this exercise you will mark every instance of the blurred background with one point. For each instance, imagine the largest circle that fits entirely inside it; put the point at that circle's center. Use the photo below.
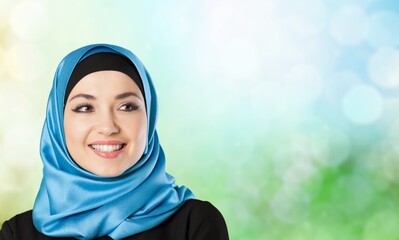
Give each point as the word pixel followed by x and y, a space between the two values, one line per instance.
pixel 284 114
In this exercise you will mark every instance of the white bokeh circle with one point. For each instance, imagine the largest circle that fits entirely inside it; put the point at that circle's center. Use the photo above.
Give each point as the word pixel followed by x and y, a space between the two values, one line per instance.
pixel 363 104
pixel 349 25
pixel 383 29
pixel 383 67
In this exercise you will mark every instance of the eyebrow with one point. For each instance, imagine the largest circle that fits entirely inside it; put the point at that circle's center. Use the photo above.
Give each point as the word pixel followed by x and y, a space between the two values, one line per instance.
pixel 127 94
pixel 87 96
pixel 119 96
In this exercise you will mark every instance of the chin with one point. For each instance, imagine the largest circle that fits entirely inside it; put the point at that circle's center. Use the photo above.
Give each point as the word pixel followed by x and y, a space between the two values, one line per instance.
pixel 109 172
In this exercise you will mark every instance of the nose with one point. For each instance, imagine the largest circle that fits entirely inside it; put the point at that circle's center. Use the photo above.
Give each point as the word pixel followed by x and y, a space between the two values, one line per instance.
pixel 107 125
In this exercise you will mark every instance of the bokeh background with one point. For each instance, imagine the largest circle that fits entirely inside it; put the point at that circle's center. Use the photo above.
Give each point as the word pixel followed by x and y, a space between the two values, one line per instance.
pixel 284 114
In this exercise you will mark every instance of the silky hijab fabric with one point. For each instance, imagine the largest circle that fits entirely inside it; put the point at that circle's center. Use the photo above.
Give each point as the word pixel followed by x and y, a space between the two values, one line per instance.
pixel 73 202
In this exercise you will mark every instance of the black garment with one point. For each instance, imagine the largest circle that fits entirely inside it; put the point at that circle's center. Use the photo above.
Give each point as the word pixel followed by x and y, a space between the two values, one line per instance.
pixel 195 220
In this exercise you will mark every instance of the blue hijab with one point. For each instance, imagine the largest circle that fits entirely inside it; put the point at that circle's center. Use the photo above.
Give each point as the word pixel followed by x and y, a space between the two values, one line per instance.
pixel 73 202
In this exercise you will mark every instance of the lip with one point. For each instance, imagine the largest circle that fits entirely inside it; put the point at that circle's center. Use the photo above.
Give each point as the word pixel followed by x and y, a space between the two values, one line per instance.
pixel 108 155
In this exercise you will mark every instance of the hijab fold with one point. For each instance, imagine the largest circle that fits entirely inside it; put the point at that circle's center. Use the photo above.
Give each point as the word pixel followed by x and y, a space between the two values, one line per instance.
pixel 73 202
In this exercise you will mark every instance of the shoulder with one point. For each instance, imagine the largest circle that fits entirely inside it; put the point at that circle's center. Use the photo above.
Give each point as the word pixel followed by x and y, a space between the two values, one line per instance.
pixel 199 208
pixel 22 217
pixel 205 220
pixel 20 227
pixel 10 228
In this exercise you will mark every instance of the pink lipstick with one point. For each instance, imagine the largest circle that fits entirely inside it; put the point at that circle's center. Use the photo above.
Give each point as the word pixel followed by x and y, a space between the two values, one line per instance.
pixel 108 148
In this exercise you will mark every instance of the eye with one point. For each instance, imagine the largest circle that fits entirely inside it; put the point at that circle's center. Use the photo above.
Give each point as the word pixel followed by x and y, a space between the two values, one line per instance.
pixel 83 108
pixel 128 107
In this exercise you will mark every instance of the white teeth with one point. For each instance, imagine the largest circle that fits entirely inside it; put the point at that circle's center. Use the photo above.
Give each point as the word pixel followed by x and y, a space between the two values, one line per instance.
pixel 107 148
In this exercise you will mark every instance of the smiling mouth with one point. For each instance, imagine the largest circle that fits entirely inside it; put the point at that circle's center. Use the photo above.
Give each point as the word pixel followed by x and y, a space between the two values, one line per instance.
pixel 107 148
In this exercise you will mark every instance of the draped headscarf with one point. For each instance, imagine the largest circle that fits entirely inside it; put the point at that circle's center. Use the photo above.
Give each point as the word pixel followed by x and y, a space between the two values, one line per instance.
pixel 73 202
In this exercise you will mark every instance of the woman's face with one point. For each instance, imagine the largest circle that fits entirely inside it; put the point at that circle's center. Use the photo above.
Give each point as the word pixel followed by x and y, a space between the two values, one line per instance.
pixel 105 123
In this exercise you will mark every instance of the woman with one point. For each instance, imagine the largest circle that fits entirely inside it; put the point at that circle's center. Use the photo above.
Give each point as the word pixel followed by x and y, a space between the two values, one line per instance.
pixel 104 169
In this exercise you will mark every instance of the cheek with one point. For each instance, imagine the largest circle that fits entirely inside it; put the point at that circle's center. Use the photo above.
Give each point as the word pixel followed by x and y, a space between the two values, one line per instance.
pixel 71 138
pixel 69 134
pixel 74 132
pixel 139 133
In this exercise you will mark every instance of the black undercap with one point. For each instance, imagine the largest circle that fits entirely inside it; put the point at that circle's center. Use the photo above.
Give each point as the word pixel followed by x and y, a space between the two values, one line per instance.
pixel 101 62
